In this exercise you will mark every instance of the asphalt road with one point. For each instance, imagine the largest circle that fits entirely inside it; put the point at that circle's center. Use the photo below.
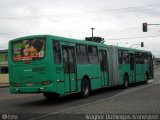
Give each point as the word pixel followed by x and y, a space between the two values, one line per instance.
pixel 138 99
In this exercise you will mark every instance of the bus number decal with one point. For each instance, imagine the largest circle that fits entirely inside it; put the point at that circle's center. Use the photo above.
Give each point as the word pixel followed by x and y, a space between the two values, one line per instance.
pixel 39 69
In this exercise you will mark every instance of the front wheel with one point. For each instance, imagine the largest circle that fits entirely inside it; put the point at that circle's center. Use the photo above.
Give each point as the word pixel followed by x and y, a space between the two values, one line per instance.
pixel 85 88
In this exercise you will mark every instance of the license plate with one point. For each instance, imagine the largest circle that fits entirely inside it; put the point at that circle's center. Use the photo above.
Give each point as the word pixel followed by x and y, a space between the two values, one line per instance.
pixel 29 84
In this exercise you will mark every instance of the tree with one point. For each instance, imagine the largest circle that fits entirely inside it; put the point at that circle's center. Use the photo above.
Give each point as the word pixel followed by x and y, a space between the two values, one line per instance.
pixel 95 39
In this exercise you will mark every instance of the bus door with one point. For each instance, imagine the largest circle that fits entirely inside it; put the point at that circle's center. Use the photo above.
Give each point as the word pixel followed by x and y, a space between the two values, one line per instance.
pixel 104 67
pixel 132 66
pixel 68 53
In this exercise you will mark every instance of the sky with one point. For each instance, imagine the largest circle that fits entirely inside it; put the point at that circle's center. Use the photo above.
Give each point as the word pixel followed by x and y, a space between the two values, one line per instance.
pixel 119 22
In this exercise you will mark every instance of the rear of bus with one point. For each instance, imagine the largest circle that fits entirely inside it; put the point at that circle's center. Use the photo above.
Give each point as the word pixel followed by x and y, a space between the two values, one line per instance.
pixel 28 65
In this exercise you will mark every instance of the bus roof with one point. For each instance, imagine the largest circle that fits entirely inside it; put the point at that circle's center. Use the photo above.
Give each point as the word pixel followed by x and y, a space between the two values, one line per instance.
pixel 75 41
pixel 131 49
pixel 61 39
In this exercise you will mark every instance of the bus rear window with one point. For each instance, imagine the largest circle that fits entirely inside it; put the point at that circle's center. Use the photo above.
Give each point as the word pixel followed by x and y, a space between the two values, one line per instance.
pixel 31 49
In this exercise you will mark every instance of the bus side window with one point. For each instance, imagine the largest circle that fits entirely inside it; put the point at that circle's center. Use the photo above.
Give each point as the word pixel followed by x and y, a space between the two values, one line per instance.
pixel 145 58
pixel 56 52
pixel 82 57
pixel 93 55
pixel 120 57
pixel 140 57
pixel 123 57
pixel 126 57
pixel 137 58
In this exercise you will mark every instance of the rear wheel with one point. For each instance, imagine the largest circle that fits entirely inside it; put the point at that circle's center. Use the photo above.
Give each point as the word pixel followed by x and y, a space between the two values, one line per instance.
pixel 125 81
pixel 85 88
pixel 51 96
pixel 146 78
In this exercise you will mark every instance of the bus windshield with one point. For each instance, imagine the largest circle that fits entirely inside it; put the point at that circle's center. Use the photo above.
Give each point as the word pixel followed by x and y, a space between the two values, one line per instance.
pixel 30 49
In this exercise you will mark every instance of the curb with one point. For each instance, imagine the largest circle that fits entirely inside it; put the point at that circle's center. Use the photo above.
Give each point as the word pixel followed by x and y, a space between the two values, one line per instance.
pixel 3 85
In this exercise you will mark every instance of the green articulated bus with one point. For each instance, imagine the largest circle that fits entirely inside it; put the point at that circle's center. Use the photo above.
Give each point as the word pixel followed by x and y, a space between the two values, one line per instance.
pixel 56 66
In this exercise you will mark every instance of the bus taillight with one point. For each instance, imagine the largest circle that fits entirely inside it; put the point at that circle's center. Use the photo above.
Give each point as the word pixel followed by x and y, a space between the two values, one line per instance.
pixel 45 82
pixel 16 84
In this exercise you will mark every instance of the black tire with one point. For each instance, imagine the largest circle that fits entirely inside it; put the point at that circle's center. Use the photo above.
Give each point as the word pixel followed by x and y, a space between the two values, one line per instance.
pixel 51 96
pixel 125 81
pixel 85 88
